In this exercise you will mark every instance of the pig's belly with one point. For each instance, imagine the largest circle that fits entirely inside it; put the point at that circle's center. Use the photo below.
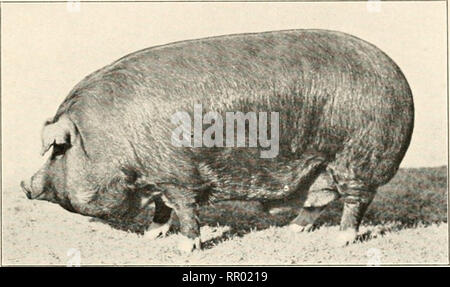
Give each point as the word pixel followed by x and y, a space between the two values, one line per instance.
pixel 241 175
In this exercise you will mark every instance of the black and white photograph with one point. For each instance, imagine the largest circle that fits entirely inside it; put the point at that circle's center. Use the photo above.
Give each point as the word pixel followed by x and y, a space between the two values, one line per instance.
pixel 224 133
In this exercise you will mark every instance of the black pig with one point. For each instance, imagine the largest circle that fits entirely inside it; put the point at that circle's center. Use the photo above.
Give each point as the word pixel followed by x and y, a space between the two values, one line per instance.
pixel 345 122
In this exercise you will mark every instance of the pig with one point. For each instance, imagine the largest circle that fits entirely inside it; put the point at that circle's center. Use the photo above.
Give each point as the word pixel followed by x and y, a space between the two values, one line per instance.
pixel 345 119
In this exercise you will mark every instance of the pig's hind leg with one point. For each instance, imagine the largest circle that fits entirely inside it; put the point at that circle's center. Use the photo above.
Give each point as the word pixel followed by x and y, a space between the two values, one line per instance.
pixel 320 194
pixel 356 201
pixel 357 194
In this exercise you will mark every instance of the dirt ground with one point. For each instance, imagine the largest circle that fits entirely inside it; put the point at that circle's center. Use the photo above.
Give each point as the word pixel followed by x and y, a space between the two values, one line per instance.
pixel 38 232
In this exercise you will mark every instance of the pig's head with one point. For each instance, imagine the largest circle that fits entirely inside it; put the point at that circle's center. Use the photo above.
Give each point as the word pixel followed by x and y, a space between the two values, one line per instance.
pixel 72 180
pixel 48 182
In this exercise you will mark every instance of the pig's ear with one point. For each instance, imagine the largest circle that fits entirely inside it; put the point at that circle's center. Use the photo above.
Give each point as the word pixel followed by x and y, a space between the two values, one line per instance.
pixel 60 132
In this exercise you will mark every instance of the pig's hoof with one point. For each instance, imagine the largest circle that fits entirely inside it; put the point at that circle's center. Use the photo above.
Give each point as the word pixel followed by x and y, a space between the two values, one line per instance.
pixel 345 238
pixel 157 230
pixel 187 245
pixel 299 228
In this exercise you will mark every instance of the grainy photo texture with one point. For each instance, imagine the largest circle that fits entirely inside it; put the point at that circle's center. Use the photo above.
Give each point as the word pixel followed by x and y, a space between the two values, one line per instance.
pixel 294 140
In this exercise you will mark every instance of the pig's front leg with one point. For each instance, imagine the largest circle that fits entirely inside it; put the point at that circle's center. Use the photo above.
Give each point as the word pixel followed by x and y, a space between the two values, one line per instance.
pixel 183 203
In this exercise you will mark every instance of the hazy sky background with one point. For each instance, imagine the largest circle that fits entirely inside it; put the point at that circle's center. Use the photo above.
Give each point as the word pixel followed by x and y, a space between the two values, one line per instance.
pixel 47 49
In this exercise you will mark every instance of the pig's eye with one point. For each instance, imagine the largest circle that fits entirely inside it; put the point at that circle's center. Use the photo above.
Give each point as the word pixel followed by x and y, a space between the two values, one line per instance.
pixel 59 149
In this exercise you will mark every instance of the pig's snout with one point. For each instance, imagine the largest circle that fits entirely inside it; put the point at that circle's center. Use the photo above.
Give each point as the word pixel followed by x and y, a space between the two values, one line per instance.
pixel 26 188
pixel 34 187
